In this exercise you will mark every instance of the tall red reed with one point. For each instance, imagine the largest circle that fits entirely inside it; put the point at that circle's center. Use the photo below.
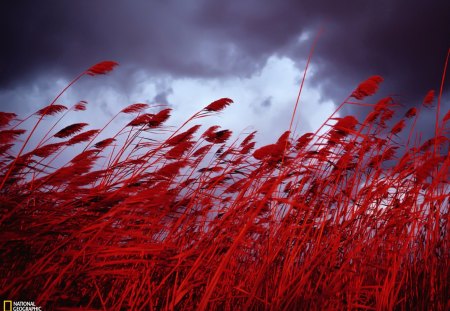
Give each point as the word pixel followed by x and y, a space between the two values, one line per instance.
pixel 343 219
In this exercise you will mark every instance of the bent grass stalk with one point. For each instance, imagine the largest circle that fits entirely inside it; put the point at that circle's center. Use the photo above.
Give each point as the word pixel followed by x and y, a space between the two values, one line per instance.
pixel 348 217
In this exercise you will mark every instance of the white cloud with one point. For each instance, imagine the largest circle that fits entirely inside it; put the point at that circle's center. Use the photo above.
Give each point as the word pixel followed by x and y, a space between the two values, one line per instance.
pixel 277 83
pixel 264 101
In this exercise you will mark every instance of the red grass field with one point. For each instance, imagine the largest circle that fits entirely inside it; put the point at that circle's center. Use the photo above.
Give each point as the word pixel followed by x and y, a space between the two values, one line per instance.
pixel 351 217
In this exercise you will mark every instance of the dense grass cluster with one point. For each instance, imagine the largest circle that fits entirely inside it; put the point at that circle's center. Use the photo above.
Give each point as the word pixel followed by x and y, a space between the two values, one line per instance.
pixel 350 217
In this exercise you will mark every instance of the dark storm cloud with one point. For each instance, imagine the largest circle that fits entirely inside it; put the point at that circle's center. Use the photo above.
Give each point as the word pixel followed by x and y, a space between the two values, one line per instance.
pixel 405 41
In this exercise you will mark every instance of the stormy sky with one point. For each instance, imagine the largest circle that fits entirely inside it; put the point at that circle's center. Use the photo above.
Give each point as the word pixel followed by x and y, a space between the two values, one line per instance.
pixel 187 53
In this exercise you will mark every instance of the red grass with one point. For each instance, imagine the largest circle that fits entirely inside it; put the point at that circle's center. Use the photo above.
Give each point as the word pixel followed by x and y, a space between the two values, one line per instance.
pixel 429 98
pixel 367 88
pixel 101 68
pixel 218 105
pixel 348 219
pixel 51 110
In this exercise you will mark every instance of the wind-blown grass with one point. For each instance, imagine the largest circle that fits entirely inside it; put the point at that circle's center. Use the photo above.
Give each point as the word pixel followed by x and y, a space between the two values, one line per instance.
pixel 345 218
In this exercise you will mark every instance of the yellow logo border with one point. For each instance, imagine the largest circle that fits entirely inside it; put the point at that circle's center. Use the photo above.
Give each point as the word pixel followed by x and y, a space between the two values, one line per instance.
pixel 10 305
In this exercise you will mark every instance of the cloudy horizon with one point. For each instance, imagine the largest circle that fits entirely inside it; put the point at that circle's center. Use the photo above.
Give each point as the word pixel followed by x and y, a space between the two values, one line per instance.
pixel 187 54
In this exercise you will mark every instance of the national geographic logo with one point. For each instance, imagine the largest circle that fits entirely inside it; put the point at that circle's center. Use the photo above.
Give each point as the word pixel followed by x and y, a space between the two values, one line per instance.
pixel 9 305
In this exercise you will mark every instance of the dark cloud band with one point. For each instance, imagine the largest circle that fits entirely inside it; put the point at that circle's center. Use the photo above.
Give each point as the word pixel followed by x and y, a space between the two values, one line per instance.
pixel 405 41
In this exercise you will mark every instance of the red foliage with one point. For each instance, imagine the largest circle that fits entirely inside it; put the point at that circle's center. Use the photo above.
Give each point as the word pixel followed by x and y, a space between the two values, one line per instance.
pixel 80 106
pixel 429 98
pixel 7 136
pixel 348 219
pixel 134 108
pixel 82 137
pixel 6 118
pixel 218 105
pixel 367 88
pixel 183 137
pixel 101 68
pixel 446 117
pixel 104 143
pixel 70 130
pixel 397 128
pixel 269 151
pixel 217 137
pixel 179 150
pixel 51 110
pixel 303 141
pixel 141 120
pixel 158 119
pixel 412 112
pixel 47 150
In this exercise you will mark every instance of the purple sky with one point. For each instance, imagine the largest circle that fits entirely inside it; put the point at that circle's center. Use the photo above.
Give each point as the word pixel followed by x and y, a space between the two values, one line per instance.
pixel 196 51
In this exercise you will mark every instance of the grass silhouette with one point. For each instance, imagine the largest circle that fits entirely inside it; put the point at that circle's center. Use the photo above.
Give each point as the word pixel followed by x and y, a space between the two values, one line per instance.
pixel 345 218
